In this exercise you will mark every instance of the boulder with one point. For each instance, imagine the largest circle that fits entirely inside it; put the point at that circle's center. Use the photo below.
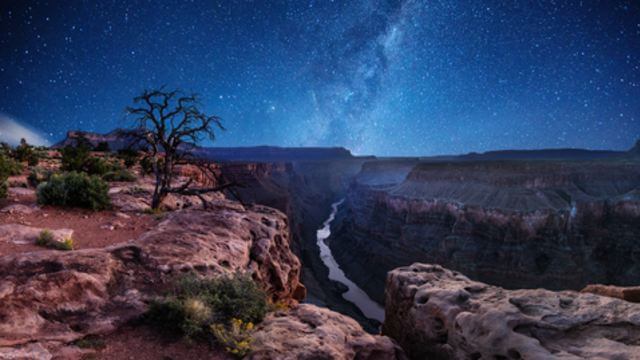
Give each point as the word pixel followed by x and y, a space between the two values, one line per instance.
pixel 435 313
pixel 20 209
pixel 309 332
pixel 54 298
pixel 23 234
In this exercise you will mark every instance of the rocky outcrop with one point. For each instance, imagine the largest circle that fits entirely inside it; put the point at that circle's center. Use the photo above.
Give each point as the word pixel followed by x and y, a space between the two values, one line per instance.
pixel 519 224
pixel 435 313
pixel 305 192
pixel 52 297
pixel 309 332
pixel 628 293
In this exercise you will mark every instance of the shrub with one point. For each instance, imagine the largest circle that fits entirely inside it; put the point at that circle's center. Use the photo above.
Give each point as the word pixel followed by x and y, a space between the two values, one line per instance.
pixel 147 165
pixel 46 239
pixel 236 338
pixel 74 158
pixel 75 190
pixel 195 304
pixel 128 156
pixel 119 175
pixel 38 175
pixel 103 146
pixel 90 342
pixel 97 166
pixel 9 166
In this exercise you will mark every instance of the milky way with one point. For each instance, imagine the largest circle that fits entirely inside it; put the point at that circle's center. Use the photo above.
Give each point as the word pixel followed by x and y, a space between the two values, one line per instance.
pixel 378 77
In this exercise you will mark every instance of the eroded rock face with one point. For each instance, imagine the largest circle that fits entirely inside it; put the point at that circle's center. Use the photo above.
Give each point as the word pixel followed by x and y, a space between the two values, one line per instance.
pixel 435 313
pixel 308 332
pixel 54 297
pixel 558 225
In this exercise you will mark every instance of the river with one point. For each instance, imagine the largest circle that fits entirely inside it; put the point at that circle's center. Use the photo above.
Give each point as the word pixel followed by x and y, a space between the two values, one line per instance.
pixel 354 294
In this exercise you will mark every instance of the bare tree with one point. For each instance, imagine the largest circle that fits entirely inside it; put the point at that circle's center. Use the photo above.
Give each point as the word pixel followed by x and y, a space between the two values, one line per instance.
pixel 169 124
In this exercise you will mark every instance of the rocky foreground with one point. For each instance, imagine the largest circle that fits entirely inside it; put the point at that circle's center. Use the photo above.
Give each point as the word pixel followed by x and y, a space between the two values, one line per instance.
pixel 435 313
pixel 51 299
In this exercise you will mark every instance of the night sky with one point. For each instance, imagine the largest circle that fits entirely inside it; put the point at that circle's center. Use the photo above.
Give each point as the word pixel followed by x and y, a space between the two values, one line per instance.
pixel 378 77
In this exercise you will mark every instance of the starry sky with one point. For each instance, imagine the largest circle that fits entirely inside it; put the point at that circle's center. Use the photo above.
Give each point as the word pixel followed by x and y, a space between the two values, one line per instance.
pixel 384 77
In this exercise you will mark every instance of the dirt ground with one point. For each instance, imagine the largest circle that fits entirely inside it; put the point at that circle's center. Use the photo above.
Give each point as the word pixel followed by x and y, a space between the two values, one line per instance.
pixel 144 343
pixel 91 229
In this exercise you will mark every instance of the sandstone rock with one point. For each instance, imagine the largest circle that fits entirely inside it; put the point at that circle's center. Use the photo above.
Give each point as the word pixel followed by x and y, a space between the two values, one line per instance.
pixel 53 297
pixel 22 234
pixel 630 293
pixel 436 313
pixel 308 332
pixel 20 209
pixel 26 352
pixel 21 192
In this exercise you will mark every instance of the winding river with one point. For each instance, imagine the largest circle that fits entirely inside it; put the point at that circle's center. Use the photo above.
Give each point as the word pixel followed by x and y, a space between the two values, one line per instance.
pixel 354 294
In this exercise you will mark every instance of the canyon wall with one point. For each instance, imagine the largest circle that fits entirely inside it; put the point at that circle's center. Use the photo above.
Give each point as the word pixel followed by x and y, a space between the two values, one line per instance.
pixel 551 224
pixel 304 191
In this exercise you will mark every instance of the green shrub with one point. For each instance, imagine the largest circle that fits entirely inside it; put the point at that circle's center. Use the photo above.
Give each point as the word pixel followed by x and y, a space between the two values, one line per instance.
pixel 46 239
pixel 38 175
pixel 119 175
pixel 236 337
pixel 195 304
pixel 9 166
pixel 147 165
pixel 75 190
pixel 74 158
pixel 128 156
pixel 97 166
pixel 91 342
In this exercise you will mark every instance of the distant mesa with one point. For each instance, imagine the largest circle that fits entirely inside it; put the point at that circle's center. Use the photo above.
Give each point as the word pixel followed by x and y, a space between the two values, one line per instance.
pixel 117 141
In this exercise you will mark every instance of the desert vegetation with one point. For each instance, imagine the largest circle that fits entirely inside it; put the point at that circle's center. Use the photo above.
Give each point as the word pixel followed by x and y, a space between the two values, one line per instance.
pixel 224 310
pixel 75 189
pixel 168 125
pixel 48 240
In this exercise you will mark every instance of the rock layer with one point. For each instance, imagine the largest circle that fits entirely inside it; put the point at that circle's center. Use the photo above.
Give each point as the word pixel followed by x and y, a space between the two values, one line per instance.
pixel 435 313
pixel 51 296
pixel 521 224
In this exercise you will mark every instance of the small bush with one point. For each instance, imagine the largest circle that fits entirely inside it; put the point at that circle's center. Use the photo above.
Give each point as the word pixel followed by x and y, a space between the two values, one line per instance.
pixel 38 175
pixel 74 158
pixel 195 304
pixel 103 146
pixel 128 156
pixel 91 342
pixel 9 166
pixel 75 190
pixel 119 175
pixel 46 239
pixel 97 166
pixel 236 338
pixel 147 165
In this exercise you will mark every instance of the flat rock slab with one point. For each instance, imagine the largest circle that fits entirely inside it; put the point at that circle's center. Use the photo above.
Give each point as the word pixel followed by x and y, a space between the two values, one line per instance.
pixel 21 191
pixel 22 234
pixel 20 209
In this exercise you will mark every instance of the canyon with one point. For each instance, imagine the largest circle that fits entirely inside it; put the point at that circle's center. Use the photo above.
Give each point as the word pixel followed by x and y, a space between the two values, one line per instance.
pixel 516 224
pixel 478 256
